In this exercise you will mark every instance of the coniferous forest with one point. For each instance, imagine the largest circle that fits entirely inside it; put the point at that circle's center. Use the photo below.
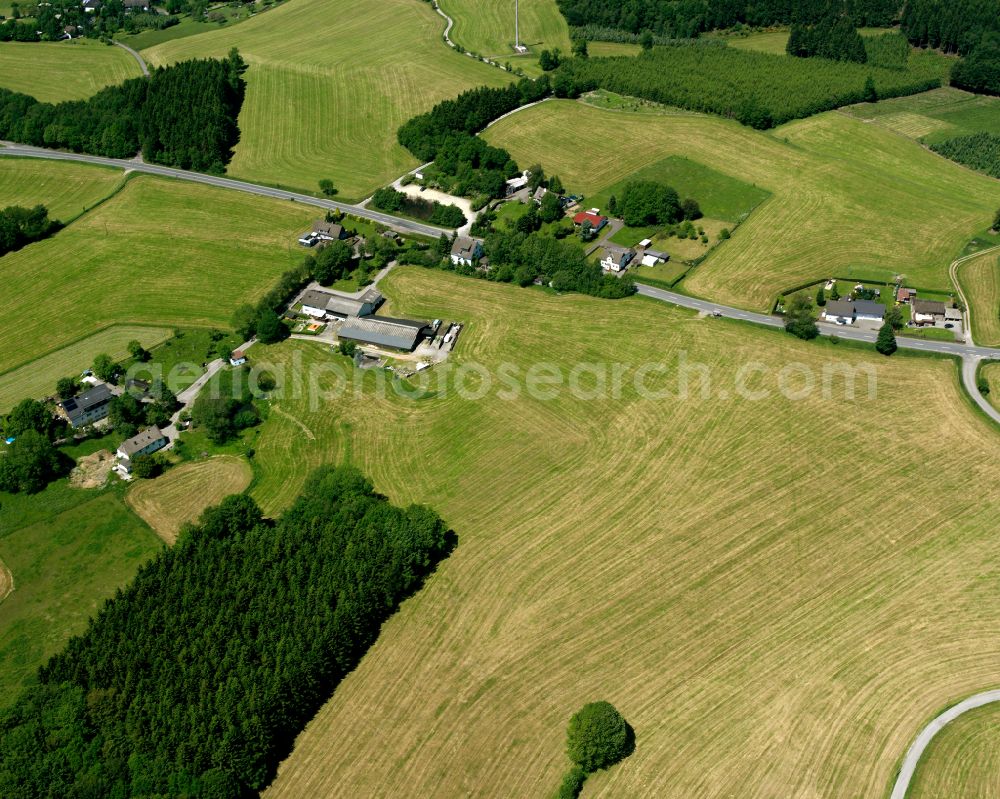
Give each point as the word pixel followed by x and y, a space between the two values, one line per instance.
pixel 182 115
pixel 195 679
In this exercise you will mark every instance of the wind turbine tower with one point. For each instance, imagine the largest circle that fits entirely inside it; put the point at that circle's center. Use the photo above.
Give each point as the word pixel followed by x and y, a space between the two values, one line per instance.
pixel 518 47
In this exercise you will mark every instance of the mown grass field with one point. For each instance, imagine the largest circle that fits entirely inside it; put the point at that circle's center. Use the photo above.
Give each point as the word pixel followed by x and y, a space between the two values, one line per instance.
pixel 66 189
pixel 68 550
pixel 487 26
pixel 38 378
pixel 702 563
pixel 848 199
pixel 180 495
pixel 159 252
pixel 980 279
pixel 55 71
pixel 323 100
pixel 935 115
pixel 962 760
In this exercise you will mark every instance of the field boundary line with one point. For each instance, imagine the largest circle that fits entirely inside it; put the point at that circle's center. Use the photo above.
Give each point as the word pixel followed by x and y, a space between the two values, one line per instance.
pixel 912 758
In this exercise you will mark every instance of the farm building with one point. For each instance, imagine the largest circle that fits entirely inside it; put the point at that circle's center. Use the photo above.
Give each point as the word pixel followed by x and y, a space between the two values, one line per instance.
pixel 952 315
pixel 654 257
pixel 539 194
pixel 328 305
pixel 905 295
pixel 465 250
pixel 514 185
pixel 616 259
pixel 927 312
pixel 322 232
pixel 596 220
pixel 382 331
pixel 87 408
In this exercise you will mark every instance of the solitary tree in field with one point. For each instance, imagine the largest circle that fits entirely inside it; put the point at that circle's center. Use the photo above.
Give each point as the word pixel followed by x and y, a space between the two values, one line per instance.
pixel 137 351
pixel 886 341
pixel 598 737
pixel 646 40
pixel 326 186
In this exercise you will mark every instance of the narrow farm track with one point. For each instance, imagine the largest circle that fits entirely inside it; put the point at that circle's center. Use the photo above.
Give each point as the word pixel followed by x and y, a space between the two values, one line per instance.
pixel 923 740
pixel 138 58
pixel 981 311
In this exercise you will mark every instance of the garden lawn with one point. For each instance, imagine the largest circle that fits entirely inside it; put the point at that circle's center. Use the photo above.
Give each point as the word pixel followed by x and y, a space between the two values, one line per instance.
pixel 848 199
pixel 69 549
pixel 55 71
pixel 329 85
pixel 699 562
pixel 159 252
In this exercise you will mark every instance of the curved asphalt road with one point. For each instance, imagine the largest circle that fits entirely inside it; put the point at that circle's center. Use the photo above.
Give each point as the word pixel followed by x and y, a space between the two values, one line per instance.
pixel 139 59
pixel 916 750
pixel 395 222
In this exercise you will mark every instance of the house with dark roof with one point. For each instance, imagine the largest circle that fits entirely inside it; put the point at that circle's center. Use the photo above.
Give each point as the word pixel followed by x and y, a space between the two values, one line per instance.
pixel 385 332
pixel 329 304
pixel 89 407
pixel 927 312
pixel 654 257
pixel 143 443
pixel 866 310
pixel 465 250
pixel 840 311
pixel 616 259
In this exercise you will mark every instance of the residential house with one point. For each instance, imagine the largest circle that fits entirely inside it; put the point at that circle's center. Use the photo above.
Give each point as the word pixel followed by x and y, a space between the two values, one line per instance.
pixel 90 6
pixel 330 305
pixel 385 332
pixel 596 220
pixel 465 250
pixel 539 194
pixel 144 443
pixel 839 311
pixel 868 311
pixel 136 5
pixel 617 259
pixel 904 295
pixel 927 312
pixel 322 232
pixel 89 407
pixel 238 358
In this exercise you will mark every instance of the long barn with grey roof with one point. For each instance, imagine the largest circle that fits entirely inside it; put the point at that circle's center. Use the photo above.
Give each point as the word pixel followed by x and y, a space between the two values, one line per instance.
pixel 321 304
pixel 382 331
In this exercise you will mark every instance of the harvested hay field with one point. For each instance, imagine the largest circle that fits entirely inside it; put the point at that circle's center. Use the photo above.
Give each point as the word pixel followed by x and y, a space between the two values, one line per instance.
pixel 65 188
pixel 55 71
pixel 770 587
pixel 324 99
pixel 167 503
pixel 6 581
pixel 92 471
pixel 848 199
pixel 962 760
pixel 980 279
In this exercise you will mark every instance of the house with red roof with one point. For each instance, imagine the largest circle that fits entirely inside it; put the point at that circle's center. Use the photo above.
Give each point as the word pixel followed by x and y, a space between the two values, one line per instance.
pixel 596 220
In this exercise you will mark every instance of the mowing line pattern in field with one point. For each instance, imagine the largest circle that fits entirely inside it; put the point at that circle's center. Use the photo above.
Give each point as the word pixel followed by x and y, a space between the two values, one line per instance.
pixel 56 71
pixel 65 188
pixel 328 105
pixel 935 115
pixel 487 26
pixel 980 280
pixel 6 581
pixel 962 760
pixel 169 502
pixel 160 251
pixel 848 198
pixel 733 575
pixel 38 378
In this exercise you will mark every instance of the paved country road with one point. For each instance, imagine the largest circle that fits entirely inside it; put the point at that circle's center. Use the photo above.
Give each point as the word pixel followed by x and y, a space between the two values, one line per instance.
pixel 395 222
pixel 139 59
pixel 916 750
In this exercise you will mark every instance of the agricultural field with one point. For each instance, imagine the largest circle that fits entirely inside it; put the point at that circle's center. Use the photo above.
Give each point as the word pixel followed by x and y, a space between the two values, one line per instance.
pixel 980 280
pixel 38 378
pixel 740 620
pixel 65 188
pixel 598 49
pixel 962 759
pixel 155 253
pixel 341 99
pixel 934 116
pixel 172 500
pixel 765 42
pixel 848 199
pixel 68 549
pixel 55 71
pixel 990 370
pixel 487 26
